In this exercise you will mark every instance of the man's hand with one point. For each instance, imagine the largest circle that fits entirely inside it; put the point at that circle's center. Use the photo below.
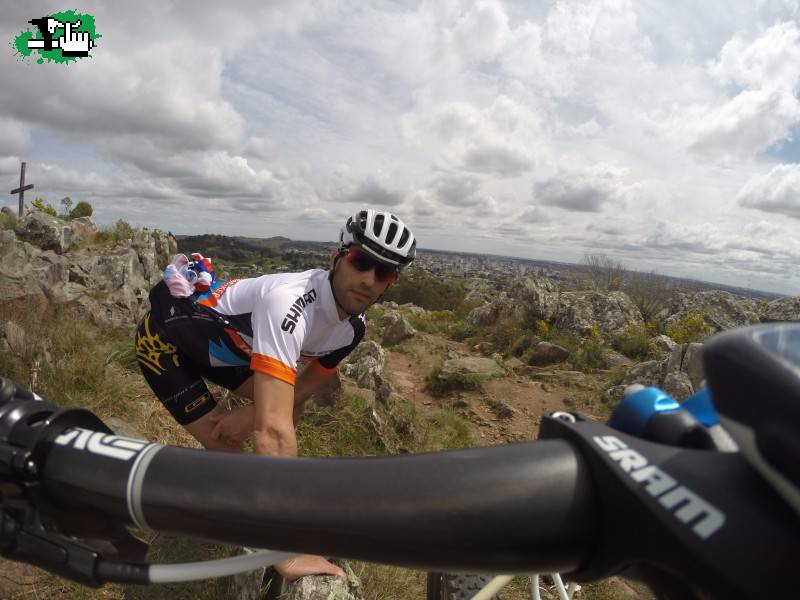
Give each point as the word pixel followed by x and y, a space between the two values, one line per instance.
pixel 233 427
pixel 307 564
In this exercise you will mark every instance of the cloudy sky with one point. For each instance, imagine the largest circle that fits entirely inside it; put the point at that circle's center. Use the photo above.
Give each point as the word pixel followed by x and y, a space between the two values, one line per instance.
pixel 662 134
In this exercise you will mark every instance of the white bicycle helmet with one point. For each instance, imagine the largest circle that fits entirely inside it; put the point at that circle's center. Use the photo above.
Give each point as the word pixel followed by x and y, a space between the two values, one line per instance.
pixel 382 235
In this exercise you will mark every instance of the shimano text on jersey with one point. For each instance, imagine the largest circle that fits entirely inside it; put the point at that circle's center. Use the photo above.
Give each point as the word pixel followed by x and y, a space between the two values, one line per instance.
pixel 290 320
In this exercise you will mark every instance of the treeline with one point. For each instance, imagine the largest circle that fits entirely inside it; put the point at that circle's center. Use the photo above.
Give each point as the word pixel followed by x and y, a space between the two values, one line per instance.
pixel 425 290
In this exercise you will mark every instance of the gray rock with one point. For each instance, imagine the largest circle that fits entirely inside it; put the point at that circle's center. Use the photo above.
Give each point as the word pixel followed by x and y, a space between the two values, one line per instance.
pixel 692 364
pixel 412 308
pixel 536 297
pixel 15 338
pixel 783 309
pixel 720 310
pixel 472 365
pixel 83 228
pixel 365 349
pixel 678 385
pixel 47 232
pixel 675 359
pixel 513 363
pixel 545 353
pixel 108 285
pixel 649 373
pixel 615 359
pixel 664 343
pixel 395 328
pixel 611 313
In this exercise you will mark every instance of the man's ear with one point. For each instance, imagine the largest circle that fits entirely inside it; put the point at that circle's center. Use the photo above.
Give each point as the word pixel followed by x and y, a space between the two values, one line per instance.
pixel 332 258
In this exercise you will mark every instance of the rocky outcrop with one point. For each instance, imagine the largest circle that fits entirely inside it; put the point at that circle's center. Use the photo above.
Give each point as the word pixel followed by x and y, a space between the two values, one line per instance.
pixel 365 366
pixel 394 328
pixel 525 298
pixel 51 233
pixel 783 309
pixel 720 310
pixel 610 313
pixel 680 374
pixel 109 284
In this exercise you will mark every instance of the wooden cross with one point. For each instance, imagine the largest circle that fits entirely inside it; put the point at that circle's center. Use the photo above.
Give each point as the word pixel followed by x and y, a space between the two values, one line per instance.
pixel 21 189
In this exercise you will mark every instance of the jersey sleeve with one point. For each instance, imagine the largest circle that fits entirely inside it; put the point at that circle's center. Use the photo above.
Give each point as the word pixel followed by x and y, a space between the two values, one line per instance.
pixel 326 365
pixel 279 327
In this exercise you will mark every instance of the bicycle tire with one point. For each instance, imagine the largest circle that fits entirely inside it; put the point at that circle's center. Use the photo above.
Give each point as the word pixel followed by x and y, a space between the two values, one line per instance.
pixel 451 586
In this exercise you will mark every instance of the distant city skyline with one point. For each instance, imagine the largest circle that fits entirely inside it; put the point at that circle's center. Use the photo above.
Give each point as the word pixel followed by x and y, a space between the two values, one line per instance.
pixel 663 135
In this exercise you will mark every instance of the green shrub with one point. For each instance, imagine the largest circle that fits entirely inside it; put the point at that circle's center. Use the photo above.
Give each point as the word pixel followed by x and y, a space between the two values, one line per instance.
pixel 634 342
pixel 590 355
pixel 40 204
pixel 82 209
pixel 426 290
pixel 8 220
pixel 438 384
pixel 691 327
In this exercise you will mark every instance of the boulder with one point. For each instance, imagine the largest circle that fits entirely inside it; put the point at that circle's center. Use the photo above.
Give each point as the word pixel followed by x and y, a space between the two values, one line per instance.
pixel 692 364
pixel 365 365
pixel 412 308
pixel 720 310
pixel 783 309
pixel 614 359
pixel 471 365
pixel 677 385
pixel 47 232
pixel 649 373
pixel 664 343
pixel 536 297
pixel 394 328
pixel 513 363
pixel 15 338
pixel 545 353
pixel 610 313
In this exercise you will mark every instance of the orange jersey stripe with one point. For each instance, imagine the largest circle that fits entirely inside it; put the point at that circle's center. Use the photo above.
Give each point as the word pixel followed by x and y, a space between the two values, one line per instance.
pixel 273 367
pixel 324 371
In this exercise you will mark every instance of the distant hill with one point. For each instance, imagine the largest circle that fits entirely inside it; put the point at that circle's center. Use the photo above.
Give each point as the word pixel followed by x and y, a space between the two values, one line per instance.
pixel 245 249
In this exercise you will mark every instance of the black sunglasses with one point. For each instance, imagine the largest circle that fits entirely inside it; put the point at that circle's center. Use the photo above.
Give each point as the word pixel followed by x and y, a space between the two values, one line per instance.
pixel 363 262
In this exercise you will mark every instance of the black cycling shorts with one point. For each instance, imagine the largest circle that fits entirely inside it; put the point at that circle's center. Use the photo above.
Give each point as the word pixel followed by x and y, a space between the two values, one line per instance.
pixel 172 349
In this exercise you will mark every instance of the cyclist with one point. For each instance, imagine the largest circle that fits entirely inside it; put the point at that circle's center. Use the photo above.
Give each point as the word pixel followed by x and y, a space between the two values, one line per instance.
pixel 249 335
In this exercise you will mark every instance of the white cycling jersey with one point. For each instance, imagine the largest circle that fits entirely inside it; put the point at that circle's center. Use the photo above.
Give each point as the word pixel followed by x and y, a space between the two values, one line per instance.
pixel 293 315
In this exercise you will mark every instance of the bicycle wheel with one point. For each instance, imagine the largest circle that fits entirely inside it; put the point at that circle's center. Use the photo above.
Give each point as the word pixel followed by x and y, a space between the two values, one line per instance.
pixel 449 586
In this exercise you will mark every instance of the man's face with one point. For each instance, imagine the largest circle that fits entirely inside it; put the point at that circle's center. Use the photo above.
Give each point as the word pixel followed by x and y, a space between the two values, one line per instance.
pixel 356 290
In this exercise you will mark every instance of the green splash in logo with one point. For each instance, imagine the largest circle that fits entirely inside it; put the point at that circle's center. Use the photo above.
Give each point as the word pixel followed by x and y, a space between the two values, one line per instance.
pixel 62 37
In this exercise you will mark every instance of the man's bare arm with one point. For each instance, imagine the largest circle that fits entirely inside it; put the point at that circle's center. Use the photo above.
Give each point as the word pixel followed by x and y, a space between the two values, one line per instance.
pixel 274 406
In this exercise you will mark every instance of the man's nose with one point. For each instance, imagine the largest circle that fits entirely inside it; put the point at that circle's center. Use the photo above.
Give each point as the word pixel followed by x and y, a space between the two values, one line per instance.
pixel 368 277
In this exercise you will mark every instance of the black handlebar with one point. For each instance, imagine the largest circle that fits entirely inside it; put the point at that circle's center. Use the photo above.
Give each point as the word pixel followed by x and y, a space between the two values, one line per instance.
pixel 516 508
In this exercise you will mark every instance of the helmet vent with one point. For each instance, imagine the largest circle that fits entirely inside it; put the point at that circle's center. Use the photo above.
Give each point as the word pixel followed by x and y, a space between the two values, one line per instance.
pixel 391 233
pixel 377 225
pixel 403 238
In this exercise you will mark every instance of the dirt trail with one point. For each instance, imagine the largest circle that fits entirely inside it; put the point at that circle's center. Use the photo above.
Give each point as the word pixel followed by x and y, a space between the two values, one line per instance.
pixel 505 409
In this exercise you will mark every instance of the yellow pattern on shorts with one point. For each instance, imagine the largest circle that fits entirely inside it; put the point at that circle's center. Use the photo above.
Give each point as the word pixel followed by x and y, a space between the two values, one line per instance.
pixel 149 349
